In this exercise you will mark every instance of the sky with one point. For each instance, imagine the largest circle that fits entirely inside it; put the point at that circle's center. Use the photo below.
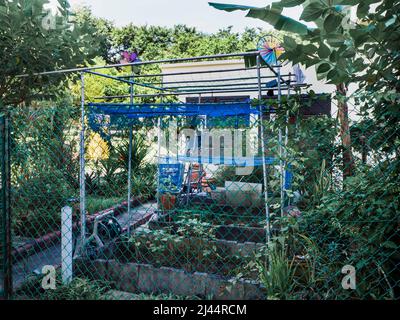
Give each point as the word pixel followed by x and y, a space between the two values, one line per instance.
pixel 195 13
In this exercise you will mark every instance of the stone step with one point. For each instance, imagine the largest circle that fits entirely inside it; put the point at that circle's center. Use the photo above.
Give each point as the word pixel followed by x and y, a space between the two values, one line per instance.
pixel 120 295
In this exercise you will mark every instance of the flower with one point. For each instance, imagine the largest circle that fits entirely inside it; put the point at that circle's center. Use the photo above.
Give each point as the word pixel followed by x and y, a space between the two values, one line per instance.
pixel 129 57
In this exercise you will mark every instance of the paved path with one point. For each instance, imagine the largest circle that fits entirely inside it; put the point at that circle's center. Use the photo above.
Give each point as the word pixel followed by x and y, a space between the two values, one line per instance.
pixel 52 255
pixel 137 213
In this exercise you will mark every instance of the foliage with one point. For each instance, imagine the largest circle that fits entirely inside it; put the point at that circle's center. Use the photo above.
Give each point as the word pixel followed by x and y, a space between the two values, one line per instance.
pixel 337 46
pixel 101 31
pixel 276 272
pixel 144 181
pixel 96 204
pixel 39 201
pixel 78 289
pixel 153 43
pixel 140 150
pixel 361 229
pixel 229 174
pixel 344 52
pixel 181 41
pixel 109 175
pixel 188 244
pixel 113 295
pixel 41 179
pixel 97 148
pixel 34 41
pixel 345 221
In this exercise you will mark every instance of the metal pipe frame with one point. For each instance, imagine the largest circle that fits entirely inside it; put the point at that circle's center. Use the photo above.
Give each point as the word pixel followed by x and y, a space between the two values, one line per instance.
pixel 110 77
pixel 151 85
pixel 130 82
pixel 158 165
pixel 170 74
pixel 265 177
pixel 228 89
pixel 281 164
pixel 90 69
pixel 282 85
pixel 82 189
pixel 131 88
pixel 216 80
pixel 184 93
pixel 215 85
pixel 286 142
pixel 120 65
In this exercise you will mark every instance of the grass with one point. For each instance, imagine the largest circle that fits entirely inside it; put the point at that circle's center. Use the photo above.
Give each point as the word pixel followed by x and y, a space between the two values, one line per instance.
pixel 96 204
pixel 78 289
pixel 276 273
pixel 84 289
pixel 117 295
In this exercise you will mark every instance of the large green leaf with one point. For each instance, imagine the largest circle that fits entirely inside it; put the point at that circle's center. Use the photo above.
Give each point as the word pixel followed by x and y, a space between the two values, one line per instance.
pixel 313 11
pixel 323 51
pixel 291 3
pixel 271 14
pixel 324 67
pixel 335 39
pixel 289 43
pixel 349 2
pixel 229 7
pixel 356 2
pixel 332 22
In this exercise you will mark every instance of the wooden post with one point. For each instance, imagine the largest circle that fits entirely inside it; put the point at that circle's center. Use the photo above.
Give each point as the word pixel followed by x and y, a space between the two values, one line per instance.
pixel 343 113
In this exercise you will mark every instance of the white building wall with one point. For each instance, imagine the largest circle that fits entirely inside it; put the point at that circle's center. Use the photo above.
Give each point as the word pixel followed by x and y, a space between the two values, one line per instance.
pixel 316 85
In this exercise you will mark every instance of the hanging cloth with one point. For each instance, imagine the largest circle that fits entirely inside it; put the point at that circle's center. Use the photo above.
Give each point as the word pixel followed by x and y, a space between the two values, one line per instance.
pixel 300 77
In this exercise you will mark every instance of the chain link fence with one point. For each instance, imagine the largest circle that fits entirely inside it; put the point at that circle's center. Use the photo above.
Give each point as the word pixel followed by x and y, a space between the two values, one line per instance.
pixel 287 222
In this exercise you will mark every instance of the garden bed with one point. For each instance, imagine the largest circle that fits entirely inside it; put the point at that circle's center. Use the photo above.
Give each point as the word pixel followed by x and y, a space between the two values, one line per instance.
pixel 224 232
pixel 221 257
pixel 217 214
pixel 144 278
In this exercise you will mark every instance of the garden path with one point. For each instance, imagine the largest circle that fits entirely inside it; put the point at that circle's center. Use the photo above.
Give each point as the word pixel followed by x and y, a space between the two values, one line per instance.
pixel 33 264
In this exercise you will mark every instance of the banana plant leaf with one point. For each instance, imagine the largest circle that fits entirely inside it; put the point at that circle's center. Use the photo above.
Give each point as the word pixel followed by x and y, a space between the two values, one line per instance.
pixel 230 7
pixel 271 14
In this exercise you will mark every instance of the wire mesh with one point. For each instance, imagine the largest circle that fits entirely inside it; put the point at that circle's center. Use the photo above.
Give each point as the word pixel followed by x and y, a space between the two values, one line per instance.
pixel 196 228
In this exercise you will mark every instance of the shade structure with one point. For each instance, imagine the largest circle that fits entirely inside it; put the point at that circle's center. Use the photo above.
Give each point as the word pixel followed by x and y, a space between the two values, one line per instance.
pixel 103 116
pixel 154 110
pixel 223 160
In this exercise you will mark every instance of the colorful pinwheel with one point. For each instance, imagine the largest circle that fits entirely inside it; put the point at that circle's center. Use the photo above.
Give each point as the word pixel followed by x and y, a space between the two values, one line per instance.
pixel 270 49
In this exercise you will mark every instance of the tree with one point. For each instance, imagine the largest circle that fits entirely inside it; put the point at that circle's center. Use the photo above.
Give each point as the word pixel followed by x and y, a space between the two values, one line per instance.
pixel 32 40
pixel 342 51
pixel 180 41
pixel 101 31
pixel 153 43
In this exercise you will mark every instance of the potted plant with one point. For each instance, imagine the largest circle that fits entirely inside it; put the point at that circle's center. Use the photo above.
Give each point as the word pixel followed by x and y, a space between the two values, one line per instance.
pixel 168 194
pixel 168 201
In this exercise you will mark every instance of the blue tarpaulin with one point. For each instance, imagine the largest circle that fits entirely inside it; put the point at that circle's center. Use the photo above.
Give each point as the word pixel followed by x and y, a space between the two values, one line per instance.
pixel 133 111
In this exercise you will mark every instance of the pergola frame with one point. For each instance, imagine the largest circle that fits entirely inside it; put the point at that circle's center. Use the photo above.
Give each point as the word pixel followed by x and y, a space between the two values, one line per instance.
pixel 283 83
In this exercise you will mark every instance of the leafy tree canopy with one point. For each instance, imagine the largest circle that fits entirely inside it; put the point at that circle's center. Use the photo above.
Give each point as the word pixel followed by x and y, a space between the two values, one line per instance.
pixel 365 50
pixel 34 40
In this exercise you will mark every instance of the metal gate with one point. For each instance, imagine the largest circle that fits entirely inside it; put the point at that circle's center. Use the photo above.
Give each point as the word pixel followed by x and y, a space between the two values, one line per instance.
pixel 5 217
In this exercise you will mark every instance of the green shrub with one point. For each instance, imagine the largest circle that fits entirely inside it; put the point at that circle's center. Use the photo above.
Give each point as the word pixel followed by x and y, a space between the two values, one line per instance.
pixel 78 289
pixel 357 226
pixel 37 203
